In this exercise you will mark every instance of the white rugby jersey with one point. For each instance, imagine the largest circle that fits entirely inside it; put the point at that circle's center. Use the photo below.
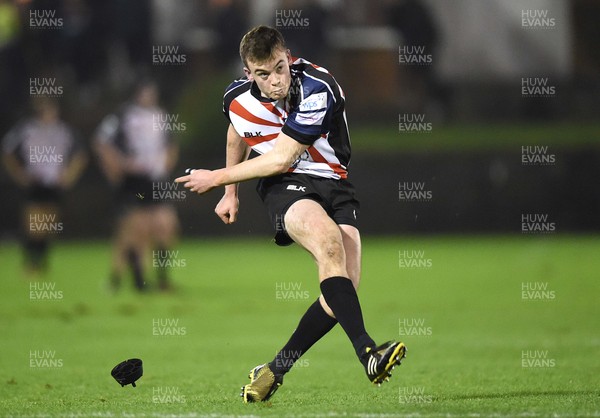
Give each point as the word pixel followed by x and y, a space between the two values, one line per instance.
pixel 137 133
pixel 44 149
pixel 313 114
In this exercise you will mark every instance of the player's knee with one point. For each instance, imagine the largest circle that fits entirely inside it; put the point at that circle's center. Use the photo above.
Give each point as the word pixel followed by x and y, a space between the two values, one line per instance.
pixel 331 251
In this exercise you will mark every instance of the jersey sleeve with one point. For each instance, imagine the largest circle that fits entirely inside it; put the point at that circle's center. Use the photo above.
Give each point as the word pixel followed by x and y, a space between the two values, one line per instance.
pixel 76 144
pixel 311 118
pixel 107 131
pixel 230 94
pixel 12 140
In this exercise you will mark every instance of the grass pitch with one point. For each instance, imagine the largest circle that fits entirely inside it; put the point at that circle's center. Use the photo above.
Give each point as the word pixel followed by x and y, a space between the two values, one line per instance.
pixel 495 326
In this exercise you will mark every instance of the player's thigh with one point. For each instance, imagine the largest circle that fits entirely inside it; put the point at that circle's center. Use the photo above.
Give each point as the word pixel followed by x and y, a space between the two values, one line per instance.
pixel 134 227
pixel 164 223
pixel 39 218
pixel 307 223
pixel 352 249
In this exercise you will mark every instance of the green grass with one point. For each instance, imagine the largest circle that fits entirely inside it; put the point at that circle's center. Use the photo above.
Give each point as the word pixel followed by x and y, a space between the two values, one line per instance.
pixel 470 299
pixel 461 138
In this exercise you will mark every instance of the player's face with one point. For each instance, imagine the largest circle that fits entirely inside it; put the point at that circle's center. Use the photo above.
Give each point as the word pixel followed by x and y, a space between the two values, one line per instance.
pixel 272 77
pixel 47 110
pixel 147 96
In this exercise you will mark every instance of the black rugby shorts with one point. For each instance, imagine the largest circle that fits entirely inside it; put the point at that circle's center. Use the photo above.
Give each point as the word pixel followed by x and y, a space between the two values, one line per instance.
pixel 337 197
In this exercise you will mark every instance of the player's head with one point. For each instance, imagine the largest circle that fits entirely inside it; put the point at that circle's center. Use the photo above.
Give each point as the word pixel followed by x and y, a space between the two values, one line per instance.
pixel 46 109
pixel 146 93
pixel 267 61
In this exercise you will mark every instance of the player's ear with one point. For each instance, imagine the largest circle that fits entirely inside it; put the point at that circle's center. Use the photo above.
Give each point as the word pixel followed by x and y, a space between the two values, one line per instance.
pixel 248 74
pixel 289 56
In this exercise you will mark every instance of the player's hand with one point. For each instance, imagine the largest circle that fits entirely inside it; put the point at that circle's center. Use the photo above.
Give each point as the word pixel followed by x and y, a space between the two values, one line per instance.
pixel 199 181
pixel 227 208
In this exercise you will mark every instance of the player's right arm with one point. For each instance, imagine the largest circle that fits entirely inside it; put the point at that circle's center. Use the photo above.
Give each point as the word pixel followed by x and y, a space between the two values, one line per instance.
pixel 237 152
pixel 112 161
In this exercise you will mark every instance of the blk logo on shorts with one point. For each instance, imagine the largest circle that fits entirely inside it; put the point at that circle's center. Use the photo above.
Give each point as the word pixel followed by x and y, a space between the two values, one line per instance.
pixel 296 188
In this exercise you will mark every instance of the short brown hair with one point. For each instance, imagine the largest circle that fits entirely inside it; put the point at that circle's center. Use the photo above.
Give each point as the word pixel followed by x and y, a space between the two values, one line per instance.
pixel 260 43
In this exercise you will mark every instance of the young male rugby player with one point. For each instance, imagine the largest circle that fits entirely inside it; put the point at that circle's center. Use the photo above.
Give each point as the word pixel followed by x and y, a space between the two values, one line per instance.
pixel 292 113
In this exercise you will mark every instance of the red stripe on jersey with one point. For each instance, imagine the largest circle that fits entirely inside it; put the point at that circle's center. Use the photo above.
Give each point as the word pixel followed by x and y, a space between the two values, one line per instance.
pixel 318 158
pixel 239 110
pixel 272 109
pixel 255 140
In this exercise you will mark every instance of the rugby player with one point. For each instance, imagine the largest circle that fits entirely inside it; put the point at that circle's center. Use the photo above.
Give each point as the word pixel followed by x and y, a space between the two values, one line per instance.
pixel 43 155
pixel 291 112
pixel 134 156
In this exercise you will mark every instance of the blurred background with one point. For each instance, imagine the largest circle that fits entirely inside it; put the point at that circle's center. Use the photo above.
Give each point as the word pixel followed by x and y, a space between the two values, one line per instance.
pixel 490 108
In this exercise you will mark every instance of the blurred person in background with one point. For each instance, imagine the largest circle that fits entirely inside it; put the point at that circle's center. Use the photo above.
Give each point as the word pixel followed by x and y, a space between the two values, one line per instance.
pixel 12 64
pixel 414 21
pixel 229 21
pixel 304 24
pixel 43 156
pixel 136 157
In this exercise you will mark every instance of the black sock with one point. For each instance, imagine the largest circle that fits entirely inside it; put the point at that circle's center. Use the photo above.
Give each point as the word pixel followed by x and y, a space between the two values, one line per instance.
pixel 115 280
pixel 36 253
pixel 136 268
pixel 314 324
pixel 340 295
pixel 163 263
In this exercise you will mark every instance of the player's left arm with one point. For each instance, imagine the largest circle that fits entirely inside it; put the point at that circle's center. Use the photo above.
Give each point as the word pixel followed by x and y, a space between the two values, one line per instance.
pixel 15 169
pixel 14 165
pixel 77 160
pixel 172 154
pixel 285 151
pixel 74 169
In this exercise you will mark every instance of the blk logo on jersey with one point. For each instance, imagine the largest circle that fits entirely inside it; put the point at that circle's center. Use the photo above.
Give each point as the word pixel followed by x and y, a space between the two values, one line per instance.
pixel 252 134
pixel 296 188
